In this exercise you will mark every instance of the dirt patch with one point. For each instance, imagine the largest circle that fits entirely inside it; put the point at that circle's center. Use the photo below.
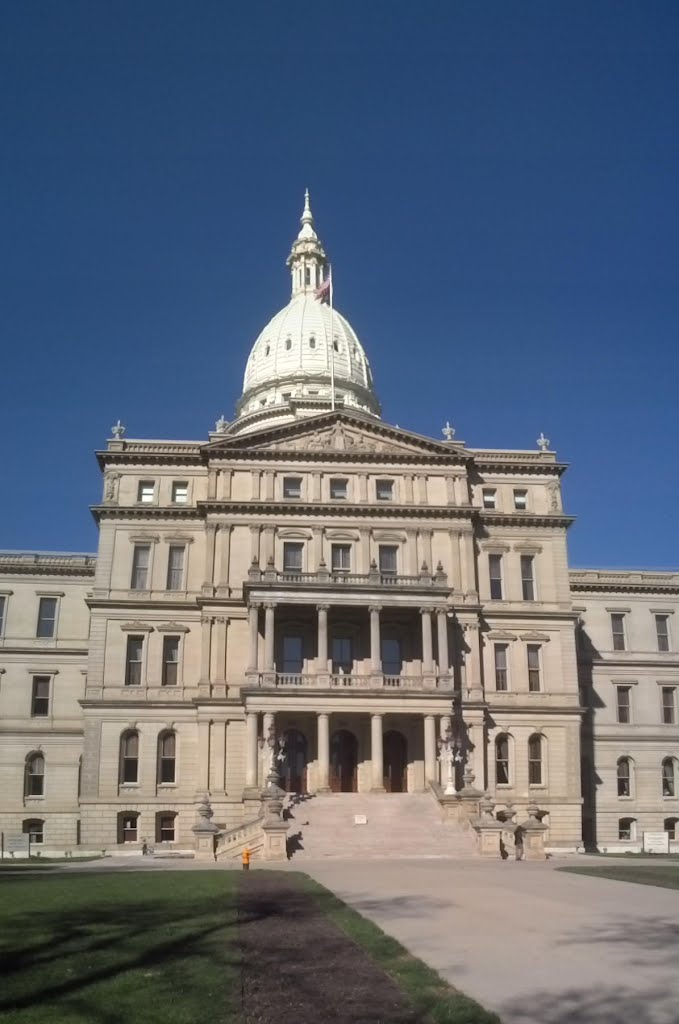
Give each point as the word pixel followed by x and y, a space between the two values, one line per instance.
pixel 299 968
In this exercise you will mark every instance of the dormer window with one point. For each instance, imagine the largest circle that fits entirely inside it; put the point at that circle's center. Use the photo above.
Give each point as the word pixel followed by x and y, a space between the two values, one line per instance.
pixel 288 344
pixel 335 345
pixel 267 350
pixel 312 342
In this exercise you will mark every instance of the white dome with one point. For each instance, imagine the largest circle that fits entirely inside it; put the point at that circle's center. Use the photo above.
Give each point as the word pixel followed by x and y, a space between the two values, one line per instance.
pixel 305 349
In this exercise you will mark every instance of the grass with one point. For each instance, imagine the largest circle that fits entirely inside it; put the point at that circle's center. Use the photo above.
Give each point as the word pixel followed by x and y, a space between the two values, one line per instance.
pixel 149 948
pixel 666 876
pixel 435 1001
pixel 41 863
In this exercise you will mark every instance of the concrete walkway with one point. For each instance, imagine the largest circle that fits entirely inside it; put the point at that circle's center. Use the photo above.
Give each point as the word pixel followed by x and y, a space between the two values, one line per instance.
pixel 534 944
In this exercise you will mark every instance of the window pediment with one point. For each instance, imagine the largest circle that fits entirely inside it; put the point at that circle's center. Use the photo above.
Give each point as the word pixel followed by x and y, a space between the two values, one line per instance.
pixel 172 627
pixel 534 634
pixel 136 627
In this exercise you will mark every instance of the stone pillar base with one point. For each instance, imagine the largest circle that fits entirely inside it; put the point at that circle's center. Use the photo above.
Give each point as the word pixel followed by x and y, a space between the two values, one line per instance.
pixel 275 841
pixel 489 841
pixel 534 843
pixel 205 847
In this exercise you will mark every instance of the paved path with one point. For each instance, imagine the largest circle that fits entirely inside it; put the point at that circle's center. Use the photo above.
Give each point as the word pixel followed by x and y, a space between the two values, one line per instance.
pixel 536 945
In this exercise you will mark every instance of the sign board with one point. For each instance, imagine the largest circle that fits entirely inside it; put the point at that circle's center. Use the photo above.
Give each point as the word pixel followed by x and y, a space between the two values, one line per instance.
pixel 656 842
pixel 16 843
pixel 360 819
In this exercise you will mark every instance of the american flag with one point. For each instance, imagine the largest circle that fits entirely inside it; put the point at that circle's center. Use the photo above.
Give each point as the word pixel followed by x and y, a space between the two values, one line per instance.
pixel 323 292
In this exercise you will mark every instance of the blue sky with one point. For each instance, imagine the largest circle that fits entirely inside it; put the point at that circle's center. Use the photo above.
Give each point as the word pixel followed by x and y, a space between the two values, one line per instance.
pixel 496 184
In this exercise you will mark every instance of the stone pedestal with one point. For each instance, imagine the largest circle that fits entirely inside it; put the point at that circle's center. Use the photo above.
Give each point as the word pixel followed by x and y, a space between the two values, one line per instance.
pixel 533 834
pixel 275 840
pixel 204 830
pixel 488 829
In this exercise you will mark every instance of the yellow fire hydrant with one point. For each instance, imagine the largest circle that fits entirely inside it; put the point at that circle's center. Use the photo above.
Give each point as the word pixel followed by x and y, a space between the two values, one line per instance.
pixel 246 859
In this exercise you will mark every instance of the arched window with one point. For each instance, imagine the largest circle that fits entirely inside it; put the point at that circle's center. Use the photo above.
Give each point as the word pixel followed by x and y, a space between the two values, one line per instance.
pixel 129 757
pixel 670 826
pixel 35 829
pixel 535 760
pixel 627 828
pixel 624 771
pixel 502 760
pixel 167 747
pixel 668 786
pixel 34 783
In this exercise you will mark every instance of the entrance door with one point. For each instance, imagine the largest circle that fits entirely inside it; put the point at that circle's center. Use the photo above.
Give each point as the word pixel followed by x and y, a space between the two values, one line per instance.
pixel 395 748
pixel 343 762
pixel 293 774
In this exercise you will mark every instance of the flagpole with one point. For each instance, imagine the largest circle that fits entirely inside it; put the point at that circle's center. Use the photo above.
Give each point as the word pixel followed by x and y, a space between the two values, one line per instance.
pixel 332 346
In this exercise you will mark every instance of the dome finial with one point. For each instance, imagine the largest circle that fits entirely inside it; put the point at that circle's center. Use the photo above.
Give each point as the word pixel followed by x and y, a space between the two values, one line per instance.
pixel 307 230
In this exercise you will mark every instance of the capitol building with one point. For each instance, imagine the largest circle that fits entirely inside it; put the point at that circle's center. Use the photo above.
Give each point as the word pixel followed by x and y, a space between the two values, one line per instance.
pixel 396 611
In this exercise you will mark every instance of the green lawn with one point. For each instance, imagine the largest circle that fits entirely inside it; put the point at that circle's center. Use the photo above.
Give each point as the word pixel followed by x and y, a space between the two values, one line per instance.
pixel 141 947
pixel 664 875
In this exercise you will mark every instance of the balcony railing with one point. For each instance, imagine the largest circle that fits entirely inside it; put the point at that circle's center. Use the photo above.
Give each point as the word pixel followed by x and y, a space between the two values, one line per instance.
pixel 345 580
pixel 325 681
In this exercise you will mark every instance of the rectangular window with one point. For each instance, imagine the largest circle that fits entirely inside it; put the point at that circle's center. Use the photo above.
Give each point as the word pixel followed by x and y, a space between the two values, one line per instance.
pixel 292 487
pixel 520 500
pixel 129 828
pixel 180 492
pixel 293 552
pixel 35 830
pixel 384 490
pixel 342 655
pixel 533 658
pixel 339 489
pixel 501 666
pixel 140 566
pixel 618 631
pixel 340 555
pixel 47 617
pixel 40 700
pixel 388 558
pixel 627 828
pixel 495 572
pixel 175 567
pixel 165 828
pixel 293 654
pixel 489 497
pixel 528 577
pixel 133 660
pixel 392 656
pixel 669 705
pixel 662 631
pixel 3 610
pixel 170 660
pixel 623 694
pixel 146 492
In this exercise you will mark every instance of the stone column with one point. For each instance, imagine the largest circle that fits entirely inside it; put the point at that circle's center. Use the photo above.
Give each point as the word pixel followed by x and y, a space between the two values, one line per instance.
pixel 377 753
pixel 204 756
pixel 221 626
pixel 253 623
pixel 442 637
pixel 322 638
pixel 429 749
pixel 472 661
pixel 211 536
pixel 427 652
pixel 205 648
pixel 375 653
pixel 323 783
pixel 219 735
pixel 251 750
pixel 269 637
pixel 224 560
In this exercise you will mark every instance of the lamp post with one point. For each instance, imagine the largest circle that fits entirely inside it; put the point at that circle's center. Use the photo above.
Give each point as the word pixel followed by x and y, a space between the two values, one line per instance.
pixel 450 754
pixel 272 794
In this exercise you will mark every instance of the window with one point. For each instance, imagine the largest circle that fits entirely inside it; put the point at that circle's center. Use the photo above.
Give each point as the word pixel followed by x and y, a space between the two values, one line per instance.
pixel 170 660
pixel 180 492
pixel 392 658
pixel 127 826
pixel 293 553
pixel 3 611
pixel 662 632
pixel 293 654
pixel 335 345
pixel 165 827
pixel 618 631
pixel 527 577
pixel 175 567
pixel 501 666
pixel 342 655
pixel 668 786
pixel 623 704
pixel 40 700
pixel 624 776
pixel 338 489
pixel 388 557
pixel 35 775
pixel 47 617
pixel 34 828
pixel 384 490
pixel 133 660
pixel 668 708
pixel 521 500
pixel 129 758
pixel 312 344
pixel 292 487
pixel 670 826
pixel 167 745
pixel 267 350
pixel 340 557
pixel 535 761
pixel 495 572
pixel 146 492
pixel 627 828
pixel 140 566
pixel 288 346
pixel 502 760
pixel 533 661
pixel 489 495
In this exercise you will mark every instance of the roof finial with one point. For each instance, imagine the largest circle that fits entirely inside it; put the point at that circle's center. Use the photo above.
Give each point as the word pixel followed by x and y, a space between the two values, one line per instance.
pixel 307 219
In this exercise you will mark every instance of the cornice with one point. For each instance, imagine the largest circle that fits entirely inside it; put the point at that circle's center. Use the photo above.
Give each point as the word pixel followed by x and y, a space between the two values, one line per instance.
pixel 45 563
pixel 626 581
pixel 484 516
pixel 145 512
pixel 333 510
pixel 345 457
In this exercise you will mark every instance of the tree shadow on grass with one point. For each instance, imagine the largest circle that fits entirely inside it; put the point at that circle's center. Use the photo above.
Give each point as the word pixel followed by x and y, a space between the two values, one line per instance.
pixel 603 1005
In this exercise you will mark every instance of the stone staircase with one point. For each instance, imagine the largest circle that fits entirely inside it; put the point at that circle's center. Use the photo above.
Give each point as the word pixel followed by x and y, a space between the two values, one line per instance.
pixel 398 825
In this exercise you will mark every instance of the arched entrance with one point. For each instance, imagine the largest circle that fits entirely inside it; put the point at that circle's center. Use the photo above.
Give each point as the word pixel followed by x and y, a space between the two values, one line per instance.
pixel 343 762
pixel 293 773
pixel 395 747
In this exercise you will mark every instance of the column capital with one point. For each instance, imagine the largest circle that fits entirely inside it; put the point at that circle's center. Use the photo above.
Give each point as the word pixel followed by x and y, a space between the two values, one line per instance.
pixel 377 714
pixel 211 527
pixel 426 610
pixel 442 609
pixel 322 607
pixel 256 605
pixel 375 608
pixel 269 605
pixel 323 714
